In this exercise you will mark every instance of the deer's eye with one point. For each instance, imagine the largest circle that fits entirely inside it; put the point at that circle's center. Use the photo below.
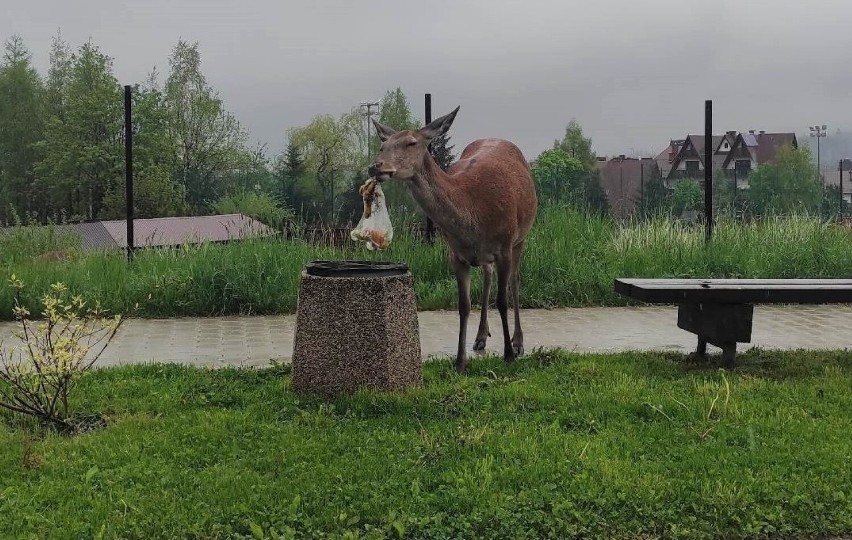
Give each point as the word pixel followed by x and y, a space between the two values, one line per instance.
pixel 411 143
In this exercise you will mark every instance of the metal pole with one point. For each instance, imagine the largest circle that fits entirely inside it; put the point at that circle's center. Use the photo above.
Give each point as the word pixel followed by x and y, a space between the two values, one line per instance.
pixel 128 169
pixel 841 189
pixel 641 187
pixel 708 170
pixel 430 227
pixel 819 170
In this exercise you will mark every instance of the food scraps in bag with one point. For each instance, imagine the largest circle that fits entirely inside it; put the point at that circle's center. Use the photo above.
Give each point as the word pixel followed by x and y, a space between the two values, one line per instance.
pixel 375 227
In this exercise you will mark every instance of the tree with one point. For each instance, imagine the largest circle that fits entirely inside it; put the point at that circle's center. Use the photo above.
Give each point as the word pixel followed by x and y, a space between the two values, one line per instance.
pixel 559 177
pixel 655 198
pixel 155 191
pixel 58 77
pixel 395 112
pixel 290 170
pixel 789 183
pixel 259 206
pixel 21 127
pixel 442 151
pixel 82 152
pixel 330 153
pixel 205 139
pixel 687 197
pixel 576 145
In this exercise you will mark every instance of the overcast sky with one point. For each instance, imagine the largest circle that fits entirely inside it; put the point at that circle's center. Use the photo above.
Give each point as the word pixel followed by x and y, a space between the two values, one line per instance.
pixel 633 73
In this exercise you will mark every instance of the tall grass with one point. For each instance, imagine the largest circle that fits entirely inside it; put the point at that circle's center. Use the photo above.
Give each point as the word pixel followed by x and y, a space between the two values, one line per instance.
pixel 571 260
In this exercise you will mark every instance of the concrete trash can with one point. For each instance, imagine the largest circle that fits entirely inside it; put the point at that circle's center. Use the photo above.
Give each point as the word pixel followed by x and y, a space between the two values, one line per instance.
pixel 356 328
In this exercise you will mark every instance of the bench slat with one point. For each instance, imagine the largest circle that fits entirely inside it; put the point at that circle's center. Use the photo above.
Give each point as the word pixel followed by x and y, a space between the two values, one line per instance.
pixel 758 291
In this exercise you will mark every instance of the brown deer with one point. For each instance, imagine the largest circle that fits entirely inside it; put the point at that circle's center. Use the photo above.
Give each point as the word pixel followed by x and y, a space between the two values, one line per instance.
pixel 484 206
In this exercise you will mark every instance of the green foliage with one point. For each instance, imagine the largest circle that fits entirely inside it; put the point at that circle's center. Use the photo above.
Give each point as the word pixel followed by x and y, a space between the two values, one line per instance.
pixel 576 145
pixel 655 200
pixel 688 196
pixel 38 376
pixel 330 152
pixel 22 243
pixel 259 206
pixel 555 445
pixel 82 151
pixel 789 184
pixel 558 177
pixel 21 127
pixel 206 141
pixel 155 194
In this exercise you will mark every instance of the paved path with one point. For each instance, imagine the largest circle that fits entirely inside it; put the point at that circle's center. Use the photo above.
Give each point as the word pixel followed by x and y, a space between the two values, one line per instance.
pixel 254 341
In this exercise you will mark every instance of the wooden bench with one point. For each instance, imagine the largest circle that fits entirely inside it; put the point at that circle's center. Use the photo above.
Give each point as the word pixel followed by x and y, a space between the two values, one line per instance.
pixel 719 311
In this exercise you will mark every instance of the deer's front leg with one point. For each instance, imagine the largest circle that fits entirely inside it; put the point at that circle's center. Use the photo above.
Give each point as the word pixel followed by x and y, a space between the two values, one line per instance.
pixel 462 271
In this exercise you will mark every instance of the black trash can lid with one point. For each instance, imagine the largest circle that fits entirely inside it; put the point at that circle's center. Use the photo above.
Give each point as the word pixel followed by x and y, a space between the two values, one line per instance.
pixel 355 268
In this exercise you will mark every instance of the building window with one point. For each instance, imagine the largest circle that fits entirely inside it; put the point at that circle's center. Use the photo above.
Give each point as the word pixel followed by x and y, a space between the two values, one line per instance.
pixel 743 167
pixel 692 168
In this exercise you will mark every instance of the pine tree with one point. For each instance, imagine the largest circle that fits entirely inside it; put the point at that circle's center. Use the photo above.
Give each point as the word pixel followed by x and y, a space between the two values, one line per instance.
pixel 21 126
pixel 442 151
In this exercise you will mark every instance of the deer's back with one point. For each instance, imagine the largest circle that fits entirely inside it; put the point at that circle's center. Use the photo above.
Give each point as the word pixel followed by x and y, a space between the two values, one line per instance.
pixel 497 182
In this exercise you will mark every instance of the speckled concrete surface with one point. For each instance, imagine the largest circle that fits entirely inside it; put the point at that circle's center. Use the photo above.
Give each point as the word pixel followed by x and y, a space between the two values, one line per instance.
pixel 356 332
pixel 255 340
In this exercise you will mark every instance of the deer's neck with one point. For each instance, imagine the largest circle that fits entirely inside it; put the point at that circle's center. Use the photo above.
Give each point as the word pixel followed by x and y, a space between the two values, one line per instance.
pixel 442 199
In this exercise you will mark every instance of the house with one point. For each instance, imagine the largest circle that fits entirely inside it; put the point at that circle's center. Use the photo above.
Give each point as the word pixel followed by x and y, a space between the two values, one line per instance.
pixel 735 153
pixel 750 150
pixel 665 158
pixel 690 159
pixel 623 179
pixel 164 232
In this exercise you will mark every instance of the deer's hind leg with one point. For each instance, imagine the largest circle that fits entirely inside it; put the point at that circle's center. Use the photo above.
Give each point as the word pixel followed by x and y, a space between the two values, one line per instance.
pixel 483 334
pixel 515 284
pixel 504 273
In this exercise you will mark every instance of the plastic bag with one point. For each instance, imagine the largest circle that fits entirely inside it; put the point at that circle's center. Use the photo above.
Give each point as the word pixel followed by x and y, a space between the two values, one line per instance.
pixel 375 226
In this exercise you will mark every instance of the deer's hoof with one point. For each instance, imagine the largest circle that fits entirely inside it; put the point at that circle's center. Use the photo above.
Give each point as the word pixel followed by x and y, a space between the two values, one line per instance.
pixel 461 365
pixel 479 344
pixel 518 349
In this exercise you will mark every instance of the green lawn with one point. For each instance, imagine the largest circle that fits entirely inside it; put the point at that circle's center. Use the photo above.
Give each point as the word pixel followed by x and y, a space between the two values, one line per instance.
pixel 556 445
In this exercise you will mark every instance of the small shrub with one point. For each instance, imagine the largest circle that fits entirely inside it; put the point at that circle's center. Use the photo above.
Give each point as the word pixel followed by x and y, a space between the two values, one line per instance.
pixel 36 377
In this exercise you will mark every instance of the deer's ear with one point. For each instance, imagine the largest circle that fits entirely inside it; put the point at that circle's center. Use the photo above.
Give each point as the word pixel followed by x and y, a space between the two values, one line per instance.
pixel 439 126
pixel 383 131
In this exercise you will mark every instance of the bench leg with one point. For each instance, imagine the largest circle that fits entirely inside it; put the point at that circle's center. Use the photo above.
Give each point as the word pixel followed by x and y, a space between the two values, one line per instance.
pixel 722 325
pixel 729 354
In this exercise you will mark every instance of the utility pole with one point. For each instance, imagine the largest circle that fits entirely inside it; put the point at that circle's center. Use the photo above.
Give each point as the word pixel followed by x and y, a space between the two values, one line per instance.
pixel 128 168
pixel 840 169
pixel 368 115
pixel 430 227
pixel 818 132
pixel 708 170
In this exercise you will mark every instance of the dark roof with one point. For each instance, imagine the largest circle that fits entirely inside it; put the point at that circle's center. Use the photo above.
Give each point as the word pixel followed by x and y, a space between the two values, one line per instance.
pixel 763 147
pixel 769 143
pixel 178 230
pixel 92 235
pixel 164 231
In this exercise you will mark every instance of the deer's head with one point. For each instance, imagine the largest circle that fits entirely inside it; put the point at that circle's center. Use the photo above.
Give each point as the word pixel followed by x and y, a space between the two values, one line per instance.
pixel 403 152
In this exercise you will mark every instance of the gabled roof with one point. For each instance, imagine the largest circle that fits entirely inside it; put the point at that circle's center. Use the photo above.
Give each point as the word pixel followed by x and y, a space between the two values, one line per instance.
pixel 694 144
pixel 762 147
